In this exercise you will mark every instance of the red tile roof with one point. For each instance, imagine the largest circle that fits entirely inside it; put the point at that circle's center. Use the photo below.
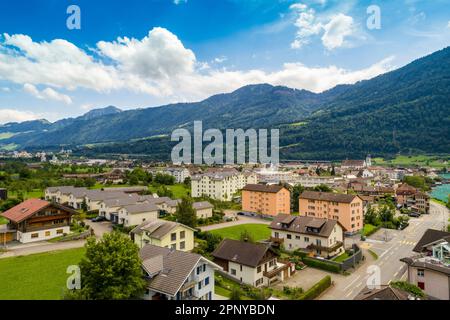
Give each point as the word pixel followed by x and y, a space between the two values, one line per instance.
pixel 25 210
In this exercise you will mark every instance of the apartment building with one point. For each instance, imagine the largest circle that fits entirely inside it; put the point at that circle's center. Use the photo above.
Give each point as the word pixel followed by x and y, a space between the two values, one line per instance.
pixel 411 198
pixel 162 233
pixel 345 208
pixel 221 185
pixel 177 275
pixel 266 199
pixel 322 237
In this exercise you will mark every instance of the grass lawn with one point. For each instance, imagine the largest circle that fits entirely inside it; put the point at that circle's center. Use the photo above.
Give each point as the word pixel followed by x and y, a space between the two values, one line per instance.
pixel 179 190
pixel 341 257
pixel 28 195
pixel 258 231
pixel 368 228
pixel 37 277
pixel 419 160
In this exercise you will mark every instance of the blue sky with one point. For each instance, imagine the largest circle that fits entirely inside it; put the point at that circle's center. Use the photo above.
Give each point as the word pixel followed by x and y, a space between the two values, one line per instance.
pixel 178 50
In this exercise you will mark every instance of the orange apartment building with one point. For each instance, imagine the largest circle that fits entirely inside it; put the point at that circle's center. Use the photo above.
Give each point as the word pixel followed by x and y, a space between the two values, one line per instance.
pixel 266 199
pixel 345 208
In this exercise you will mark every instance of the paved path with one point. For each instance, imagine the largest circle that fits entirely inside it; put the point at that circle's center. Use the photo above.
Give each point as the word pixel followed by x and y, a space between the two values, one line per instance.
pixel 99 228
pixel 241 220
pixel 399 245
pixel 40 247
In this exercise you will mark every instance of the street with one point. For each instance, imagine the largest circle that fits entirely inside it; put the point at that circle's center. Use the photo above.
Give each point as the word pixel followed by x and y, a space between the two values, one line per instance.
pixel 399 245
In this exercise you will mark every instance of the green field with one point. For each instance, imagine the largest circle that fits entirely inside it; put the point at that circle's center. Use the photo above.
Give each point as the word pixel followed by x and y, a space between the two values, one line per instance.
pixel 341 257
pixel 258 231
pixel 368 228
pixel 37 277
pixel 420 160
pixel 28 195
pixel 179 190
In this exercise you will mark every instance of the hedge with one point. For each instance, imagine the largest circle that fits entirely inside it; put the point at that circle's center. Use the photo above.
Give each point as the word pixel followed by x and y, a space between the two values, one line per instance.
pixel 315 263
pixel 316 289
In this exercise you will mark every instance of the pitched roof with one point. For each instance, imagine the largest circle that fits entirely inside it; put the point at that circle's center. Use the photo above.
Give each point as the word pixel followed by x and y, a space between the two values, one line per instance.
pixel 383 293
pixel 327 196
pixel 28 208
pixel 300 224
pixel 158 228
pixel 429 237
pixel 140 207
pixel 246 253
pixel 353 163
pixel 170 274
pixel 122 201
pixel 202 205
pixel 263 188
pixel 427 263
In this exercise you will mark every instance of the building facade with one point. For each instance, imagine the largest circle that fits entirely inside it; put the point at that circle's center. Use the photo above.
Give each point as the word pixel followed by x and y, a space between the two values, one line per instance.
pixel 266 199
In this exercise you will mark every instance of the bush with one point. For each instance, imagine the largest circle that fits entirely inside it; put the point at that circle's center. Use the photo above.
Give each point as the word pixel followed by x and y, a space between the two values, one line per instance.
pixel 408 287
pixel 324 265
pixel 300 253
pixel 317 289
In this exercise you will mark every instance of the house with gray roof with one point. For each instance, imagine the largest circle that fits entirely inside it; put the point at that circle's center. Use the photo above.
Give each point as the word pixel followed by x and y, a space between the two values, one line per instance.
pixel 135 214
pixel 176 275
pixel 322 237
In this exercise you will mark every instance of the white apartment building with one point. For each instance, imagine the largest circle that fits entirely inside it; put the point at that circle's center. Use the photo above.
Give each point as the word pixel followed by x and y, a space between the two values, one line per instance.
pixel 221 185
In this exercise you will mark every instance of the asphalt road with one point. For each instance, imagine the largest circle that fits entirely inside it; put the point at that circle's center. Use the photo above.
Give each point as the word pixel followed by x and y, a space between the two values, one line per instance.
pixel 399 244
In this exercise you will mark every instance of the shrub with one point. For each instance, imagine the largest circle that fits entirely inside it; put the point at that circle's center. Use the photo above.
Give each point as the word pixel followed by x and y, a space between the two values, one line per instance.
pixel 324 265
pixel 408 287
pixel 317 289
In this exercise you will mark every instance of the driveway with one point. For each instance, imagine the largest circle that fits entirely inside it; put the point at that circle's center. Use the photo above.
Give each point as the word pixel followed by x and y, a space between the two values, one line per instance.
pixel 16 249
pixel 241 220
pixel 99 228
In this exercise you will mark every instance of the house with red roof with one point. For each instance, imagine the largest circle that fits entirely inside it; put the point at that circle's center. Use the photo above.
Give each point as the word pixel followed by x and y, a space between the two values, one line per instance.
pixel 36 220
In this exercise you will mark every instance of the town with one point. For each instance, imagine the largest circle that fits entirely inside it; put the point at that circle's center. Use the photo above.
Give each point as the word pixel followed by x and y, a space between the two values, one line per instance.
pixel 353 229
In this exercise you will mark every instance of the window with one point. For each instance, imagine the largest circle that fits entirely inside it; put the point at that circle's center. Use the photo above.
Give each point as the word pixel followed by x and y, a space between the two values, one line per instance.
pixel 259 282
pixel 182 234
pixel 47 233
pixel 59 231
pixel 34 235
pixel 420 272
pixel 306 239
pixel 297 237
pixel 277 235
pixel 206 281
pixel 421 285
pixel 182 245
pixel 288 236
pixel 199 285
pixel 204 267
pixel 259 269
pixel 173 246
pixel 233 272
pixel 173 237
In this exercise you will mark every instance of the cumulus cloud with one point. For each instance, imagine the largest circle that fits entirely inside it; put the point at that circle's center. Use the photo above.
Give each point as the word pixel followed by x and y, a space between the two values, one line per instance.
pixel 46 94
pixel 158 65
pixel 334 29
pixel 10 115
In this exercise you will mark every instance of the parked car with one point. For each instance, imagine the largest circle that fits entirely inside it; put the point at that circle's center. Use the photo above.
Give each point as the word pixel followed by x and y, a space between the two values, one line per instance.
pixel 98 219
pixel 414 214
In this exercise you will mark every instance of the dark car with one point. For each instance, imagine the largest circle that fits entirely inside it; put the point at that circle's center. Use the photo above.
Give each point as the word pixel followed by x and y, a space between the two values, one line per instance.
pixel 414 214
pixel 98 219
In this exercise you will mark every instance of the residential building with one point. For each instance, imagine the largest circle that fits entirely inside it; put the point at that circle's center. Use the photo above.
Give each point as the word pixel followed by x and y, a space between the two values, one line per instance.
pixel 135 214
pixel 58 194
pixel 94 198
pixel 430 269
pixel 353 164
pixel 322 237
pixel 308 181
pixel 384 292
pixel 203 209
pixel 110 207
pixel 165 234
pixel 345 208
pixel 220 185
pixel 36 220
pixel 266 199
pixel 412 198
pixel 177 275
pixel 255 264
pixel 180 174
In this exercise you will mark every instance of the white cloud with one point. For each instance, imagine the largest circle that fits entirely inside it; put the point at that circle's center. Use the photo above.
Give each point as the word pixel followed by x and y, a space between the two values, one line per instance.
pixel 157 65
pixel 448 25
pixel 339 27
pixel 177 2
pixel 10 115
pixel 220 59
pixel 335 28
pixel 46 94
pixel 5 89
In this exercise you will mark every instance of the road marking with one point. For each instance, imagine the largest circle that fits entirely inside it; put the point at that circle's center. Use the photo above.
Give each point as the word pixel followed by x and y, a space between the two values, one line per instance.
pixel 349 294
pixel 351 283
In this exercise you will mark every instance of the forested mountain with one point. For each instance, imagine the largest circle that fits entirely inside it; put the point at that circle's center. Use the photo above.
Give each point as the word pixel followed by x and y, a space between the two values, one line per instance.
pixel 406 110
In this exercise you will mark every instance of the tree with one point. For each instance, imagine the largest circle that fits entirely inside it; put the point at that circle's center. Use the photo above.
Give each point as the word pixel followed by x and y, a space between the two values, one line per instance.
pixel 297 190
pixel 187 181
pixel 323 188
pixel 235 293
pixel 163 191
pixel 110 270
pixel 185 213
pixel 333 171
pixel 246 236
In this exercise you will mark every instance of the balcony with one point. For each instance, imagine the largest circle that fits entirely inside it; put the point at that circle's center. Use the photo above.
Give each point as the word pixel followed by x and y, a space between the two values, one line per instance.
pixel 188 285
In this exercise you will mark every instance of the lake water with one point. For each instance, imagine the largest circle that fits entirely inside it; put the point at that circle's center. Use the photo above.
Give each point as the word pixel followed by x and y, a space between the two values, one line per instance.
pixel 442 192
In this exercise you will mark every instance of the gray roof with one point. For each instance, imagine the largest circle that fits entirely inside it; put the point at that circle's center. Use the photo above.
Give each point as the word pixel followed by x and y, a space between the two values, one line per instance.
pixel 424 263
pixel 62 189
pixel 202 205
pixel 122 201
pixel 171 274
pixel 246 253
pixel 385 292
pixel 300 224
pixel 429 237
pixel 126 189
pixel 98 195
pixel 327 196
pixel 263 188
pixel 140 207
pixel 157 228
